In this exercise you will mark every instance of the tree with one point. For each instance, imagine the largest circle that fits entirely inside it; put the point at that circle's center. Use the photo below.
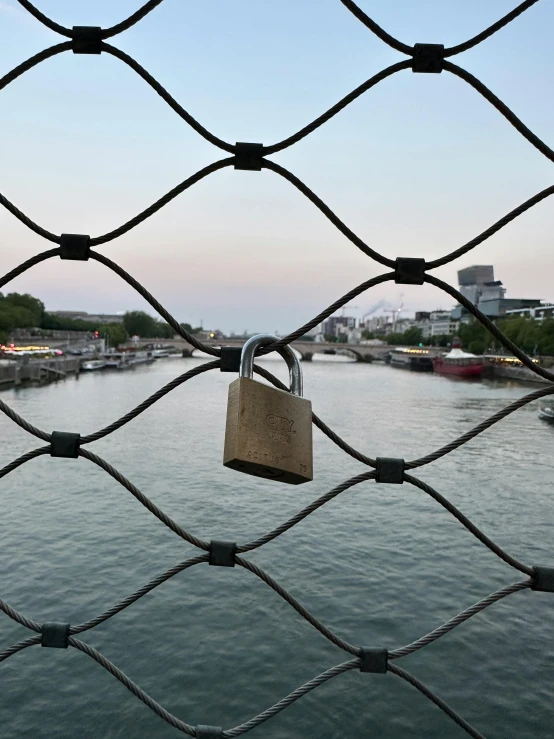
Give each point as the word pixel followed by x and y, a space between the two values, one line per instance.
pixel 19 311
pixel 474 337
pixel 444 340
pixel 33 305
pixel 524 332
pixel 411 337
pixel 51 322
pixel 115 333
pixel 368 334
pixel 139 323
pixel 12 316
pixel 546 337
pixel 164 330
pixel 187 327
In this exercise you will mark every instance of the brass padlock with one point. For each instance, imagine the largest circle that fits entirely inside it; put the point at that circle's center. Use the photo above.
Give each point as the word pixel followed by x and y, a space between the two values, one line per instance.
pixel 269 431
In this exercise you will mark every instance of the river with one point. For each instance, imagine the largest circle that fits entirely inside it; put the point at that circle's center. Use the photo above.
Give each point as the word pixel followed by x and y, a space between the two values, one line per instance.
pixel 380 565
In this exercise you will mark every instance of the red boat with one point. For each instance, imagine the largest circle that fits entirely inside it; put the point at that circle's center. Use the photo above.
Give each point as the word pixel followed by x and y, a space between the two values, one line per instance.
pixel 460 363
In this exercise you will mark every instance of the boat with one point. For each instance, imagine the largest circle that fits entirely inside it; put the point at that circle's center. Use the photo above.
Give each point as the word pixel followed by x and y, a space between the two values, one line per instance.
pixel 416 360
pixel 511 368
pixel 140 357
pixel 93 364
pixel 459 363
pixel 546 411
pixel 117 360
pixel 160 353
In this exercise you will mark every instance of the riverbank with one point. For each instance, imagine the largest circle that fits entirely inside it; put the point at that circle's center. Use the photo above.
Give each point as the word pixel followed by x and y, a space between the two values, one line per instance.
pixel 37 372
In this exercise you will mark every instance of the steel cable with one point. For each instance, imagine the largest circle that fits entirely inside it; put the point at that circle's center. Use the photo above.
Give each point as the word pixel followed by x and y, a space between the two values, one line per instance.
pixel 25 66
pixel 24 458
pixel 501 108
pixel 291 698
pixel 146 502
pixel 37 259
pixel 10 651
pixel 132 687
pixel 106 32
pixel 462 723
pixel 459 619
pixel 394 43
pixel 471 527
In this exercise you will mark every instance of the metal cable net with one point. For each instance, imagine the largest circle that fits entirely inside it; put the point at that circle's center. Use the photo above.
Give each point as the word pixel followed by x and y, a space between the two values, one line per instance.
pixel 421 58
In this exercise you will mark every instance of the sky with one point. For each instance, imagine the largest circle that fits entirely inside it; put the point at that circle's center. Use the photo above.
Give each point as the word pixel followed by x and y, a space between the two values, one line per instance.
pixel 416 167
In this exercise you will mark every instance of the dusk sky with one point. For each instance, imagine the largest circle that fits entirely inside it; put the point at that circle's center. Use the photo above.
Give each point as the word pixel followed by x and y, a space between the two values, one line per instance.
pixel 416 167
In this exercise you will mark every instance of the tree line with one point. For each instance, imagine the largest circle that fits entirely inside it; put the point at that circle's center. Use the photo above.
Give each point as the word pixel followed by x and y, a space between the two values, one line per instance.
pixel 532 336
pixel 27 312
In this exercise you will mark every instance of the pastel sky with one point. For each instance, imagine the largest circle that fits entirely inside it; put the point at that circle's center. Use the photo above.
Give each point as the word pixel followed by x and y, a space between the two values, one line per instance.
pixel 417 166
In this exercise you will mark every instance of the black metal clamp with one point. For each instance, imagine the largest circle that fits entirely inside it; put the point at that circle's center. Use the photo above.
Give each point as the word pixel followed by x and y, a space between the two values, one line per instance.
pixel 373 660
pixel 222 553
pixel 248 156
pixel 230 359
pixel 64 444
pixel 55 635
pixel 390 469
pixel 409 271
pixel 428 58
pixel 543 579
pixel 75 246
pixel 86 40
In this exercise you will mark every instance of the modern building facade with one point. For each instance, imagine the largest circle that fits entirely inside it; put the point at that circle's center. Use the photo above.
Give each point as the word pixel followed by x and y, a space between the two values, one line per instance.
pixel 477 284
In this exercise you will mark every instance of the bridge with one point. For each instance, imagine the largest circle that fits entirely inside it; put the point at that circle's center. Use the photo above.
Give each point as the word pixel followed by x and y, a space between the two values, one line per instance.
pixel 306 349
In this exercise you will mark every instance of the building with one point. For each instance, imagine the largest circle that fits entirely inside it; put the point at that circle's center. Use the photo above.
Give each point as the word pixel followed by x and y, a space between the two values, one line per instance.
pixel 78 315
pixel 539 312
pixel 377 324
pixel 478 285
pixel 499 308
pixel 440 323
pixel 472 280
pixel 338 325
pixel 492 291
pixel 421 316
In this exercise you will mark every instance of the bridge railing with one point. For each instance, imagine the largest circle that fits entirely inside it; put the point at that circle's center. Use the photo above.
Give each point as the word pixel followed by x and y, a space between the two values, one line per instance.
pixel 421 58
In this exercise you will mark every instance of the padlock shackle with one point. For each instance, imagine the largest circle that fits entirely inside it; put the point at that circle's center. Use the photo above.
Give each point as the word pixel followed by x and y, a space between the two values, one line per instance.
pixel 247 360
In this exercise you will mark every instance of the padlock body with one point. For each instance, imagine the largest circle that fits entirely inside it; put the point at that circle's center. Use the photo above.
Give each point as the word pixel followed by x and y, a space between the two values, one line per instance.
pixel 268 432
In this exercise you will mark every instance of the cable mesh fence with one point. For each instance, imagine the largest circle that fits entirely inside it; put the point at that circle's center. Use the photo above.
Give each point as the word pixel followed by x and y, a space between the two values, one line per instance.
pixel 421 58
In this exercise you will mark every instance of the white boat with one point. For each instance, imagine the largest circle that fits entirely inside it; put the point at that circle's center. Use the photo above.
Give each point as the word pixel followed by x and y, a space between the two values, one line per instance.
pixel 93 364
pixel 546 410
pixel 117 360
pixel 140 357
pixel 160 353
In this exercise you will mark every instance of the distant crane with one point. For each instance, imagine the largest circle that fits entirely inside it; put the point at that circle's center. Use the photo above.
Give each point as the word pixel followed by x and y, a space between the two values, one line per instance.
pixel 377 306
pixel 354 307
pixel 395 315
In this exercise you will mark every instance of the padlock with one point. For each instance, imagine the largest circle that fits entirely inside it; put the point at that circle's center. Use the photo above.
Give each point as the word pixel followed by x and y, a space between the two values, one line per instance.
pixel 269 431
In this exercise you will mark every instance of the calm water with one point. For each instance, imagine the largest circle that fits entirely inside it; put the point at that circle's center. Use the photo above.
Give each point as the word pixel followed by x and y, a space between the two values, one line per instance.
pixel 380 565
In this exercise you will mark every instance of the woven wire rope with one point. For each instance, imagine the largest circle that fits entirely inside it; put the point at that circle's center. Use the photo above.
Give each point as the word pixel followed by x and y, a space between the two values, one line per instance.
pixel 355 652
